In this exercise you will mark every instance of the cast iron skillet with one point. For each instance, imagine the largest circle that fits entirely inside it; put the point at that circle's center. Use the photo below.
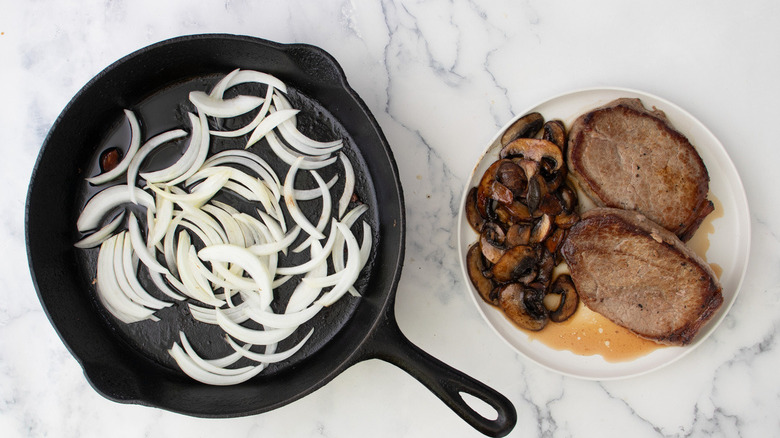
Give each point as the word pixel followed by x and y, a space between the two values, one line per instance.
pixel 128 363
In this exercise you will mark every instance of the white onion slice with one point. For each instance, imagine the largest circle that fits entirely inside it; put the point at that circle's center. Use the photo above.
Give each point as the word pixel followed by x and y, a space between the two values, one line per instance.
pixel 297 139
pixel 310 194
pixel 206 365
pixel 129 270
pixel 218 107
pixel 246 76
pixel 194 371
pixel 261 249
pixel 270 122
pixel 292 205
pixel 200 194
pixel 256 337
pixel 250 161
pixel 201 152
pixel 282 320
pixel 207 315
pixel 304 293
pixel 105 200
pixel 229 224
pixel 185 161
pixel 109 293
pixel 324 211
pixel 349 184
pixel 158 281
pixel 102 234
pixel 253 124
pixel 148 147
pixel 288 156
pixel 219 89
pixel 314 260
pixel 351 271
pixel 162 219
pixel 135 142
pixel 140 247
pixel 268 358
pixel 248 261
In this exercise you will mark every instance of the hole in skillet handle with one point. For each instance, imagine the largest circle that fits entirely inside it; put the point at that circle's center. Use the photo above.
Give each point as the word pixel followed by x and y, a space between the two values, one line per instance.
pixel 449 384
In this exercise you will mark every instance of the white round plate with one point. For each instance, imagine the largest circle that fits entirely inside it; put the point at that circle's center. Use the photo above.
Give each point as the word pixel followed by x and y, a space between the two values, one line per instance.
pixel 729 243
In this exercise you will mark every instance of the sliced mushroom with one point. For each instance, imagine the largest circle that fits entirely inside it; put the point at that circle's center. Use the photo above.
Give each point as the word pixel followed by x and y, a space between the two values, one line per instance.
pixel 517 264
pixel 553 179
pixel 491 241
pixel 513 178
pixel 566 220
pixel 554 241
pixel 551 205
pixel 542 228
pixel 568 198
pixel 523 306
pixel 554 132
pixel 472 215
pixel 537 189
pixel 518 234
pixel 486 187
pixel 564 286
pixel 535 150
pixel 545 266
pixel 518 212
pixel 526 126
pixel 476 269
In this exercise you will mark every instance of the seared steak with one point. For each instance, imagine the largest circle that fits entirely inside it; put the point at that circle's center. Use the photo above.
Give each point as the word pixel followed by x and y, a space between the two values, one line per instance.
pixel 626 156
pixel 640 276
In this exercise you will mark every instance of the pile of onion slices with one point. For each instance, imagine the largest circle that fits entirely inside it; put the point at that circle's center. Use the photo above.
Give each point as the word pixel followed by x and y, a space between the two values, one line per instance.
pixel 222 262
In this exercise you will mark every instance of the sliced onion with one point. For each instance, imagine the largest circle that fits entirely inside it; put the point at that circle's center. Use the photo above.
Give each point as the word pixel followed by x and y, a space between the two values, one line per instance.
pixel 200 194
pixel 207 315
pixel 140 247
pixel 270 122
pixel 162 219
pixel 219 89
pixel 102 234
pixel 200 154
pixel 250 161
pixel 305 293
pixel 349 184
pixel 310 194
pixel 206 365
pixel 292 205
pixel 106 200
pixel 300 141
pixel 109 292
pixel 185 161
pixel 193 370
pixel 248 261
pixel 148 147
pixel 324 211
pixel 289 156
pixel 158 281
pixel 282 320
pixel 268 358
pixel 135 142
pixel 253 124
pixel 218 107
pixel 313 261
pixel 255 337
pixel 351 271
pixel 129 271
pixel 247 76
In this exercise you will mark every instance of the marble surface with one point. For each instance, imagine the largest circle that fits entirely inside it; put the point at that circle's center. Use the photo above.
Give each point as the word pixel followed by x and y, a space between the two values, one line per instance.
pixel 441 78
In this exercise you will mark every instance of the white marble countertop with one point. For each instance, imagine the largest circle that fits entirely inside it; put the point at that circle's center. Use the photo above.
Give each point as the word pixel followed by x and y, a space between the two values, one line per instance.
pixel 441 78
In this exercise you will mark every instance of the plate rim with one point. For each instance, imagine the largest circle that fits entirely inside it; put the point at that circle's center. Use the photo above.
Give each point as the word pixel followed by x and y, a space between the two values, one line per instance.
pixel 742 216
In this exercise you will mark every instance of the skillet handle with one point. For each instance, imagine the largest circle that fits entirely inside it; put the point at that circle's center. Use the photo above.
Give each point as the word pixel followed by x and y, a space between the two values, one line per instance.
pixel 446 382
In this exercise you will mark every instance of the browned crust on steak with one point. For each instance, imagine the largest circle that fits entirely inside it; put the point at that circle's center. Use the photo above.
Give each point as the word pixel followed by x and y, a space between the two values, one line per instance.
pixel 626 156
pixel 640 276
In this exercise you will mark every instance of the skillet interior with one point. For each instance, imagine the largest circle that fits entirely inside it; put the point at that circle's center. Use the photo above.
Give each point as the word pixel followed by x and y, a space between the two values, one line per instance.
pixel 129 362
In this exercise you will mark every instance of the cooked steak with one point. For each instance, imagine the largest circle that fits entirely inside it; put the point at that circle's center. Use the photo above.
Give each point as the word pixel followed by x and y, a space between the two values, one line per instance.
pixel 640 276
pixel 626 156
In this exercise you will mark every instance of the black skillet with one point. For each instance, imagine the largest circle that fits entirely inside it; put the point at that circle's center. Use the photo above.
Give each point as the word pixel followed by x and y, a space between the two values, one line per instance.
pixel 128 363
